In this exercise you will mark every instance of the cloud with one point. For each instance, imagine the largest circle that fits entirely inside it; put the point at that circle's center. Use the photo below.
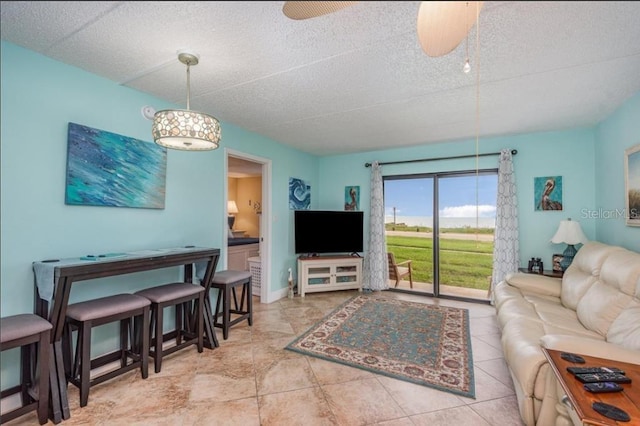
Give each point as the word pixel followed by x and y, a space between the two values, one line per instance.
pixel 468 211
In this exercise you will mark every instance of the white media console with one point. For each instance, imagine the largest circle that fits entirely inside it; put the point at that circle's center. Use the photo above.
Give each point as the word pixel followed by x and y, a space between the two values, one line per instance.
pixel 329 273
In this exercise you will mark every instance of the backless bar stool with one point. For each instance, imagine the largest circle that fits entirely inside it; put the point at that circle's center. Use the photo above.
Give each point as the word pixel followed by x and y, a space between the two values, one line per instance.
pixel 189 323
pixel 84 316
pixel 226 282
pixel 23 331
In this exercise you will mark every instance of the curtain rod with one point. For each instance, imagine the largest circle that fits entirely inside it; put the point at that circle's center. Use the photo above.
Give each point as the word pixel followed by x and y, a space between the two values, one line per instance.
pixel 513 152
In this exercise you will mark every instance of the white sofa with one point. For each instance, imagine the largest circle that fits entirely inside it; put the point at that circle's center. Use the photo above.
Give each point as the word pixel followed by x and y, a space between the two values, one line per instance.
pixel 594 310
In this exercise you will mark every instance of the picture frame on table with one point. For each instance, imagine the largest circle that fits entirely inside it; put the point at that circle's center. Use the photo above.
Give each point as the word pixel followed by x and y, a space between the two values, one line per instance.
pixel 632 185
pixel 556 259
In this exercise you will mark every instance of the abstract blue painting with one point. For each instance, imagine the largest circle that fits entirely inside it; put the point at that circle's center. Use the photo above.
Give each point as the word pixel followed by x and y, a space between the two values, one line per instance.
pixel 299 194
pixel 107 169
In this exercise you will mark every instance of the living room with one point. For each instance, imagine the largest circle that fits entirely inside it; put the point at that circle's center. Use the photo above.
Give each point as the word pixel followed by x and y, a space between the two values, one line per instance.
pixel 41 96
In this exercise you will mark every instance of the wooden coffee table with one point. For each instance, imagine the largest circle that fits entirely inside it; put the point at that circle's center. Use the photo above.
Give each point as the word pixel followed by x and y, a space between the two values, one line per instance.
pixel 581 400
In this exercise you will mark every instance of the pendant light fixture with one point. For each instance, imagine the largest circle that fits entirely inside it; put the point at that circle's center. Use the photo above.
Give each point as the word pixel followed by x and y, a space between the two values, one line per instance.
pixel 184 129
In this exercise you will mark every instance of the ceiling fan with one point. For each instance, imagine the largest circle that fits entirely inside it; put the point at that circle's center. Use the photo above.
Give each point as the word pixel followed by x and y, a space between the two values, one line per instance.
pixel 442 25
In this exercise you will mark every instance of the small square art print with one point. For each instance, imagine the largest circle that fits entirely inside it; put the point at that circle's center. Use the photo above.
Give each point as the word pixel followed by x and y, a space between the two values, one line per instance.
pixel 299 194
pixel 107 169
pixel 547 193
pixel 352 198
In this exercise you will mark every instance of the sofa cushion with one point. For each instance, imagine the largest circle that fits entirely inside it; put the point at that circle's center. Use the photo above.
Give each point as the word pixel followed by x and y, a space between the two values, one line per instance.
pixel 583 272
pixel 534 283
pixel 622 270
pixel 600 306
pixel 612 292
pixel 625 330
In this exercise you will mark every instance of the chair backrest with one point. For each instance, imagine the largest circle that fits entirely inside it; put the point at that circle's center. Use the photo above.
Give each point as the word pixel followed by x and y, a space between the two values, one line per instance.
pixel 393 268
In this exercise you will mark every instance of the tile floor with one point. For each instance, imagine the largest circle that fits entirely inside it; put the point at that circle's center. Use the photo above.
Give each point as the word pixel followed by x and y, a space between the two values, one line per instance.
pixel 251 380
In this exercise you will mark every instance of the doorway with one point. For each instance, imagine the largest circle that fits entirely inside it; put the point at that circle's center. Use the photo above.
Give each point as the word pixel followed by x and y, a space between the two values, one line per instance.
pixel 444 224
pixel 247 218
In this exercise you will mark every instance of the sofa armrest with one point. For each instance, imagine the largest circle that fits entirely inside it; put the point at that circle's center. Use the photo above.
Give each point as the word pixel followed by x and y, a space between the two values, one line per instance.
pixel 590 347
pixel 535 284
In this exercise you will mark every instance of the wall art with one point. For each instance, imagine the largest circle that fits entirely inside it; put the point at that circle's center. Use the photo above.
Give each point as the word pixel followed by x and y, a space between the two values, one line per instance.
pixel 352 198
pixel 107 169
pixel 632 185
pixel 299 194
pixel 547 193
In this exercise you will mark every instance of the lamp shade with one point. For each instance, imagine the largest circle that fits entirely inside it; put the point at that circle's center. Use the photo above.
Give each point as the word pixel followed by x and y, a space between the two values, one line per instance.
pixel 569 232
pixel 186 130
pixel 232 207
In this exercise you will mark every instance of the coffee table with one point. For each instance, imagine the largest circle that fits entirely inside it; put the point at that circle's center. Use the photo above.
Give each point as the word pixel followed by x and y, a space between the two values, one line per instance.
pixel 580 410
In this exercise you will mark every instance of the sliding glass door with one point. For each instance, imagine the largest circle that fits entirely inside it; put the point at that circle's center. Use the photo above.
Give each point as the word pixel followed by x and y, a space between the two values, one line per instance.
pixel 409 230
pixel 444 224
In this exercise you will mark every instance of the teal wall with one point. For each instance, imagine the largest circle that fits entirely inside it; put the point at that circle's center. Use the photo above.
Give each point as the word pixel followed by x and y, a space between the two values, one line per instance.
pixel 39 98
pixel 539 154
pixel 615 134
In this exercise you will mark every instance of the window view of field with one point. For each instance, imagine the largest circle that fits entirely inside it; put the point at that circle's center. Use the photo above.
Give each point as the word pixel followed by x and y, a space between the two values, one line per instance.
pixel 465 261
pixel 466 229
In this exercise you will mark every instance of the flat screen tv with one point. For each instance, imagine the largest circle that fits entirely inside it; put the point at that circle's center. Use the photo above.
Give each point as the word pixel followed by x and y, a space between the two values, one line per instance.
pixel 325 231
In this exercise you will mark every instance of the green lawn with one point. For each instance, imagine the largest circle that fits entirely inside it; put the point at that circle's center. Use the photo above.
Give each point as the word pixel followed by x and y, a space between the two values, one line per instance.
pixel 463 263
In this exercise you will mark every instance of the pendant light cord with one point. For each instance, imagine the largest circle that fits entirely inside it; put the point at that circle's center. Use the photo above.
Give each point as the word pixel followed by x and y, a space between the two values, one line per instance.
pixel 188 85
pixel 477 120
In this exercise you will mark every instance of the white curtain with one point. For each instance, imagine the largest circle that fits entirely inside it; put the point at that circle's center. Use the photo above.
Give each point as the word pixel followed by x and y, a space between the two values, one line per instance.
pixel 376 268
pixel 506 256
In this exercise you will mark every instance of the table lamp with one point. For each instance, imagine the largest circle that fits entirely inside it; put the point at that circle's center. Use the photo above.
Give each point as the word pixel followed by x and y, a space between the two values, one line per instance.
pixel 570 233
pixel 232 209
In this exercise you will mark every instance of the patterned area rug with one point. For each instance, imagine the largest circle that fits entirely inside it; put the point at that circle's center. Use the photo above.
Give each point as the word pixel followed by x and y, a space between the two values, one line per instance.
pixel 419 343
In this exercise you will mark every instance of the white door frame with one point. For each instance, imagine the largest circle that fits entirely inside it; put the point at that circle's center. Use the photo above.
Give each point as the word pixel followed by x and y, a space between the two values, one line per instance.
pixel 265 219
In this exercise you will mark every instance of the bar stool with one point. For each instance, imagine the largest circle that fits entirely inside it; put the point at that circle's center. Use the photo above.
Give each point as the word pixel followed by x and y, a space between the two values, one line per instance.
pixel 188 322
pixel 226 282
pixel 83 316
pixel 23 331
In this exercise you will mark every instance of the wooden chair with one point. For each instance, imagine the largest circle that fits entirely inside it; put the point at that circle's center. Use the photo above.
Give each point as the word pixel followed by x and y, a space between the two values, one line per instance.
pixel 397 271
pixel 28 331
pixel 189 320
pixel 85 316
pixel 226 282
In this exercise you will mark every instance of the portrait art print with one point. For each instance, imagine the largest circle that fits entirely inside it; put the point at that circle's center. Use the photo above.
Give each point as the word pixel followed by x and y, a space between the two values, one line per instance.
pixel 547 193
pixel 632 185
pixel 107 169
pixel 352 198
pixel 299 194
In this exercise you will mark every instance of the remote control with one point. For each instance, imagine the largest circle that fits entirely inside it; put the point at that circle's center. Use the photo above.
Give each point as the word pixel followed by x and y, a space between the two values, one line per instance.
pixel 602 387
pixel 603 377
pixel 593 370
pixel 572 357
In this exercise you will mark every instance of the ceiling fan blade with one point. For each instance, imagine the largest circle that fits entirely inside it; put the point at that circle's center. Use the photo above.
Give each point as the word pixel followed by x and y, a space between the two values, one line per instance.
pixel 442 25
pixel 310 9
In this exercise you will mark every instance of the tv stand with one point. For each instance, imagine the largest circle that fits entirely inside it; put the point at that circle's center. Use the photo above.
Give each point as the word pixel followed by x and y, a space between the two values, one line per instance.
pixel 329 273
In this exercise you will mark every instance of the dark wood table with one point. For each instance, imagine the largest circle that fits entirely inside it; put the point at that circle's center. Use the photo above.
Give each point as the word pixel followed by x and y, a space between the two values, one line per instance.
pixel 581 400
pixel 65 272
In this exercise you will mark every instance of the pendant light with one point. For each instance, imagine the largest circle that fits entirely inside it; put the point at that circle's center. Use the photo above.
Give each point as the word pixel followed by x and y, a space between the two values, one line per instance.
pixel 184 129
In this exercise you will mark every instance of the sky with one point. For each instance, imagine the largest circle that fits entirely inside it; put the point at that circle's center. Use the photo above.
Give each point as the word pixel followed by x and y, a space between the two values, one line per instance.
pixel 414 197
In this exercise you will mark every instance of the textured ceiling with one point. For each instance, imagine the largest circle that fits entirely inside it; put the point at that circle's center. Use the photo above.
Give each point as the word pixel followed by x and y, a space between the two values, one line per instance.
pixel 355 79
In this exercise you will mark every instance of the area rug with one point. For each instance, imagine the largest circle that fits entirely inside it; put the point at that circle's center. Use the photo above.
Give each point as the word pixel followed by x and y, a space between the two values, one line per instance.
pixel 419 343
